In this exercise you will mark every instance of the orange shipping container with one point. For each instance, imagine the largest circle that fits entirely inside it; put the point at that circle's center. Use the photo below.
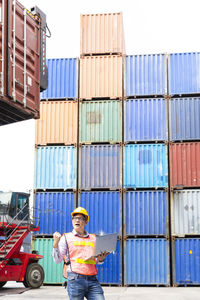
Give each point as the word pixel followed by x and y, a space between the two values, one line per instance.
pixel 101 77
pixel 58 123
pixel 102 33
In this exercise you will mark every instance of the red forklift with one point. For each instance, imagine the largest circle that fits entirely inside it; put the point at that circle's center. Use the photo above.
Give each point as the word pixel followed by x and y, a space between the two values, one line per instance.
pixel 15 226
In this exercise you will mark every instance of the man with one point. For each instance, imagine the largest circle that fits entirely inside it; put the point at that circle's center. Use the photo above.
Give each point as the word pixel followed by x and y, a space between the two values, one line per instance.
pixel 78 247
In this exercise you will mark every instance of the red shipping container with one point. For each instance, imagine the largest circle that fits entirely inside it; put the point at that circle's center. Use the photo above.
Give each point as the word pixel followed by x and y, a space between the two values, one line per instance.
pixel 184 165
pixel 22 61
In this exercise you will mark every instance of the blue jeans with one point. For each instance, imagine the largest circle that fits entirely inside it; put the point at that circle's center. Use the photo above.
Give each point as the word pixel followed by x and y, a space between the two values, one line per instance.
pixel 80 286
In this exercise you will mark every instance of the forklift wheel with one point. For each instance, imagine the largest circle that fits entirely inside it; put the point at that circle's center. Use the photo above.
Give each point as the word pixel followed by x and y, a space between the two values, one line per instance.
pixel 2 283
pixel 34 276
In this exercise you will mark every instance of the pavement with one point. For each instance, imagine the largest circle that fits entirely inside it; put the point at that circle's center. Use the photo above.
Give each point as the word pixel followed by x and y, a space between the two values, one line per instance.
pixel 16 291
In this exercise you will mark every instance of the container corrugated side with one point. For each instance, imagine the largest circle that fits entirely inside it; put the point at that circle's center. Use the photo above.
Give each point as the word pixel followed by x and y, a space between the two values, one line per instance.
pixel 145 120
pixel 147 262
pixel 100 166
pixel 63 79
pixel 110 272
pixel 53 211
pixel 145 165
pixel 185 212
pixel 146 75
pixel 55 167
pixel 102 33
pixel 186 262
pixel 184 73
pixel 146 213
pixel 184 119
pixel 100 121
pixel 184 164
pixel 105 211
pixel 58 123
pixel 101 77
pixel 52 271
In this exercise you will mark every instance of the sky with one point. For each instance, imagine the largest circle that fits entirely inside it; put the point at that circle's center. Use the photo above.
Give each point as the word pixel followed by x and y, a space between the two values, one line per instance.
pixel 150 26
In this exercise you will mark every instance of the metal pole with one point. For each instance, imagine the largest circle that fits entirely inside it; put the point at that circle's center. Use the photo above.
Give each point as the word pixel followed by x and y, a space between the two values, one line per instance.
pixel 13 64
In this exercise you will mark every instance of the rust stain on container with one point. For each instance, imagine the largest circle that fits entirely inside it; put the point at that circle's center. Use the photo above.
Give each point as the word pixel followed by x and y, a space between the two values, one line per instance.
pixel 58 123
pixel 102 33
pixel 184 165
pixel 19 64
pixel 101 77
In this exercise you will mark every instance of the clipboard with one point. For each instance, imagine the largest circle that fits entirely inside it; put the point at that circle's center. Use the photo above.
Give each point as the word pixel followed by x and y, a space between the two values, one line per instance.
pixel 105 243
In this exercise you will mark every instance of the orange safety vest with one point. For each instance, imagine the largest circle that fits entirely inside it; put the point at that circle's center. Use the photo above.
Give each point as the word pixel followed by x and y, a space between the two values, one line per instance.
pixel 80 249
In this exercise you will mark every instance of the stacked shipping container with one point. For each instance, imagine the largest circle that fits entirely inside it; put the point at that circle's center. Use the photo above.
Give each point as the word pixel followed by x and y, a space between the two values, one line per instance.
pixel 184 150
pixel 145 170
pixel 56 159
pixel 100 131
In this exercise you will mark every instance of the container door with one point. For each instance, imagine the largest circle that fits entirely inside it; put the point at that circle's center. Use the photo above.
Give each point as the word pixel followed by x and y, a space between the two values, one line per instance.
pixel 23 56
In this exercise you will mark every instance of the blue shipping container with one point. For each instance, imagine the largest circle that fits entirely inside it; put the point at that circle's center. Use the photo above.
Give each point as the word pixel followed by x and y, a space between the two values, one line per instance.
pixel 100 167
pixel 184 73
pixel 184 117
pixel 62 79
pixel 145 120
pixel 145 165
pixel 186 261
pixel 105 211
pixel 53 211
pixel 55 167
pixel 146 262
pixel 111 270
pixel 146 213
pixel 146 75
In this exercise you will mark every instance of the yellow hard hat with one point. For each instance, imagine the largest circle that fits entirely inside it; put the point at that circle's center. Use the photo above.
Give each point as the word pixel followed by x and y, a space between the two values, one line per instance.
pixel 80 210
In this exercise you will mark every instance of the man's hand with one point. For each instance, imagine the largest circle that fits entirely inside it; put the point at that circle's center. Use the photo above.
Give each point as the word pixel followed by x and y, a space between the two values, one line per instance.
pixel 56 239
pixel 102 256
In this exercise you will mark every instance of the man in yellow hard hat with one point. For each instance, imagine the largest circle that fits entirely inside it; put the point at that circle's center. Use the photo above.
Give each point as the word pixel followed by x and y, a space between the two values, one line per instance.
pixel 77 247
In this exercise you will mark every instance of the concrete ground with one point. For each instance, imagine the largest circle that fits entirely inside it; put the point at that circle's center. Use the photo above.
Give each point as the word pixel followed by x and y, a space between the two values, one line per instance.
pixel 11 289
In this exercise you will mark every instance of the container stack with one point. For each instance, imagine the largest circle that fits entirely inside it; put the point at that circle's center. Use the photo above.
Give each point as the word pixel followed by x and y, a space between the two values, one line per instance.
pixel 145 169
pixel 56 160
pixel 184 150
pixel 100 131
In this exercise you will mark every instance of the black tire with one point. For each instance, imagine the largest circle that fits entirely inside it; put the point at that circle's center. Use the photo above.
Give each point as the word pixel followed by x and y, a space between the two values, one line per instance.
pixel 2 283
pixel 34 276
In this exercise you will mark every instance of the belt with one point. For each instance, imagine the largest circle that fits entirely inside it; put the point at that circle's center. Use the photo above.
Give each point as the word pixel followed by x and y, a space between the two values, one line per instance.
pixel 76 275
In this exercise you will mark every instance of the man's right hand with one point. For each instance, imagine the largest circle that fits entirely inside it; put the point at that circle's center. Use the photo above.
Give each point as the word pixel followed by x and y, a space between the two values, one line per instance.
pixel 56 239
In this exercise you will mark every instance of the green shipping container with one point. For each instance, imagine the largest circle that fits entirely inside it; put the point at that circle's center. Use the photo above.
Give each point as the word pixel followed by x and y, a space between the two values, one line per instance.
pixel 52 271
pixel 100 121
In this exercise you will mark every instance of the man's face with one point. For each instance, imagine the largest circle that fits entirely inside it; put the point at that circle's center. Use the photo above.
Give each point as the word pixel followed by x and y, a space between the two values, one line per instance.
pixel 78 222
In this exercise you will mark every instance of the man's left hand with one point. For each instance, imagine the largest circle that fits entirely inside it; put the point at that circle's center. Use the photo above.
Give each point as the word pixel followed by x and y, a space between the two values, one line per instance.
pixel 102 256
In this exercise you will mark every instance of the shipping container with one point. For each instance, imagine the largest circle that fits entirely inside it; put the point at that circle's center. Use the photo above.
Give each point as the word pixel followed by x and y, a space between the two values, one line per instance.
pixel 100 166
pixel 146 213
pixel 184 165
pixel 146 262
pixel 184 73
pixel 110 272
pixel 145 120
pixel 52 271
pixel 146 75
pixel 185 212
pixel 186 262
pixel 23 72
pixel 55 167
pixel 58 123
pixel 184 119
pixel 101 34
pixel 100 121
pixel 105 211
pixel 63 79
pixel 53 211
pixel 145 166
pixel 101 77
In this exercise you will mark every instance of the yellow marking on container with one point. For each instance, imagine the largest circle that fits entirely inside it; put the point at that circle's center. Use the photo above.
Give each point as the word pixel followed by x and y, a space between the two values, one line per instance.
pixel 190 252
